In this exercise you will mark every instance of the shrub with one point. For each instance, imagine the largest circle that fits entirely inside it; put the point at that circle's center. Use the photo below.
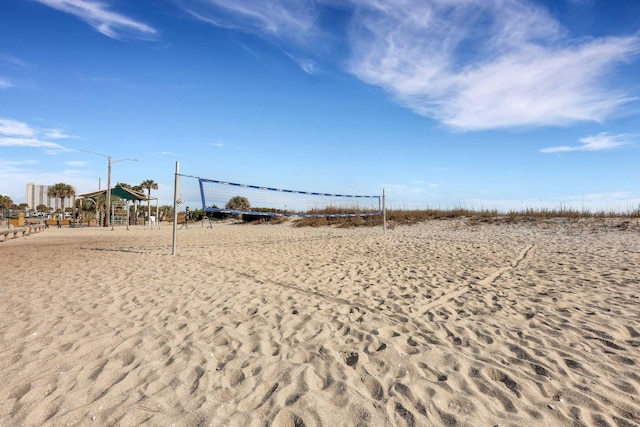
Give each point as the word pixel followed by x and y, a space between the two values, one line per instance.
pixel 238 203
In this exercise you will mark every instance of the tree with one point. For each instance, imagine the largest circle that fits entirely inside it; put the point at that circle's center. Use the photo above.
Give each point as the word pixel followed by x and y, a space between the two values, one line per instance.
pixel 42 208
pixel 61 190
pixel 100 207
pixel 87 208
pixel 5 202
pixel 238 203
pixel 149 185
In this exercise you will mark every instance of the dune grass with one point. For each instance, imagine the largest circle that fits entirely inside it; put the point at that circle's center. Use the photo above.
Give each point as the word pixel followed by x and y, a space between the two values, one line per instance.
pixel 413 216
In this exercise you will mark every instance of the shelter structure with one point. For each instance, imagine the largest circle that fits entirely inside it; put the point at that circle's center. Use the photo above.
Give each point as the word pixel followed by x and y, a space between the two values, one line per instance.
pixel 123 193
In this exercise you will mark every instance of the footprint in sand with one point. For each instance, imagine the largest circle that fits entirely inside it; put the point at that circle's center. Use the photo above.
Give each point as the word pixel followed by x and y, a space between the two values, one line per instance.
pixel 374 387
pixel 287 418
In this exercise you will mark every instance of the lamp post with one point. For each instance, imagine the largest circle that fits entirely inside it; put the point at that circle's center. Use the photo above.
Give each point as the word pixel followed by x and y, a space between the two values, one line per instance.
pixel 108 180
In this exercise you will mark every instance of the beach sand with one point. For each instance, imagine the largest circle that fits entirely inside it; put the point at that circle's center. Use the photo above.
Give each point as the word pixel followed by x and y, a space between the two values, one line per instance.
pixel 443 323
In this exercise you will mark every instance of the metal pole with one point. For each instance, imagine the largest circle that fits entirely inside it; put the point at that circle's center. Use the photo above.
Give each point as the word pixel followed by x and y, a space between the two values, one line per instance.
pixel 109 194
pixel 384 213
pixel 108 209
pixel 176 191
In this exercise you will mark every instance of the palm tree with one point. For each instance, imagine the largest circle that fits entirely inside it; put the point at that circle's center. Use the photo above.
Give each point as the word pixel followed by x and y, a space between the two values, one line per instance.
pixel 56 190
pixel 5 202
pixel 87 208
pixel 100 207
pixel 61 190
pixel 149 185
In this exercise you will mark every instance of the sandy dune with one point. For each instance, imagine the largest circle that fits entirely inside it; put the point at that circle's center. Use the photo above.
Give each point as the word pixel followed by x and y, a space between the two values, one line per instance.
pixel 437 324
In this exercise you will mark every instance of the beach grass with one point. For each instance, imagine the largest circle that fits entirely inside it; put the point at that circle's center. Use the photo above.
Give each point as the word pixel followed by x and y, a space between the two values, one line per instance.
pixel 414 216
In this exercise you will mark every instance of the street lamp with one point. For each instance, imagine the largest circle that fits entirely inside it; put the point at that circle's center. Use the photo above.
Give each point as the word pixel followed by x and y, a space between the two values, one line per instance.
pixel 108 180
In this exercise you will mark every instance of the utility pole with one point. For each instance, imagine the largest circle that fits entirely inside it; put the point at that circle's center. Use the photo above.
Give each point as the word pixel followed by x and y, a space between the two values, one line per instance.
pixel 108 181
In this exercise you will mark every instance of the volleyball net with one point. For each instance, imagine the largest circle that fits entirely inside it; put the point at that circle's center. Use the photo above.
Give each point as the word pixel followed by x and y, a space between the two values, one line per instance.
pixel 231 198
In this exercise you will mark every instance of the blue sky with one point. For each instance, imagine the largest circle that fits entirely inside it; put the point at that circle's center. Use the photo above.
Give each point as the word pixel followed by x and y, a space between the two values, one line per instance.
pixel 482 104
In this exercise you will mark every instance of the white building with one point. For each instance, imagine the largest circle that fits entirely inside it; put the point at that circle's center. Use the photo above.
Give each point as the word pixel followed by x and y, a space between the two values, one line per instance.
pixel 37 195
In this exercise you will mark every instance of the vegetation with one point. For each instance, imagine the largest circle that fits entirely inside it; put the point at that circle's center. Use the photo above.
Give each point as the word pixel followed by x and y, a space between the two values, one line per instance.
pixel 87 208
pixel 198 214
pixel 5 202
pixel 334 217
pixel 62 191
pixel 100 209
pixel 149 185
pixel 137 188
pixel 166 211
pixel 399 216
pixel 238 203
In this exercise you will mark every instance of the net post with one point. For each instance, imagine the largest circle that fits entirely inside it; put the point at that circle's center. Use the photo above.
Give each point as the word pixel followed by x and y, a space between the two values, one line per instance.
pixel 176 191
pixel 384 213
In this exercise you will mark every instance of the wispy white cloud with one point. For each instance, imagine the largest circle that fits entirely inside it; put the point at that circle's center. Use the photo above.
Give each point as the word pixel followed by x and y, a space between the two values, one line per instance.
pixel 615 201
pixel 77 163
pixel 16 165
pixel 104 79
pixel 14 133
pixel 403 190
pixel 293 25
pixel 469 64
pixel 216 144
pixel 16 171
pixel 602 141
pixel 57 134
pixel 29 142
pixel 288 20
pixel 13 62
pixel 309 66
pixel 99 16
pixel 109 81
pixel 485 65
pixel 619 201
pixel 9 127
pixel 5 83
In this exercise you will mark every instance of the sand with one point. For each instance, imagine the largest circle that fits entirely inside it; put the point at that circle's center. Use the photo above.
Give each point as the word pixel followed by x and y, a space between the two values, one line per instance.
pixel 443 323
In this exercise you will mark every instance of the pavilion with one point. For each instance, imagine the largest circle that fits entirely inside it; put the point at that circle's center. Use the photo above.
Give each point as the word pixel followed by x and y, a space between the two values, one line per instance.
pixel 124 193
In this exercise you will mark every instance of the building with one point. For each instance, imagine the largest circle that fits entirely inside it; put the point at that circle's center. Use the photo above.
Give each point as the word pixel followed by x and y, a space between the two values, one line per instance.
pixel 38 195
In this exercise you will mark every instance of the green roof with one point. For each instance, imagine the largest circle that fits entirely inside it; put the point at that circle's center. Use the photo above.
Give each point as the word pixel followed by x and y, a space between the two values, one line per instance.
pixel 118 191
